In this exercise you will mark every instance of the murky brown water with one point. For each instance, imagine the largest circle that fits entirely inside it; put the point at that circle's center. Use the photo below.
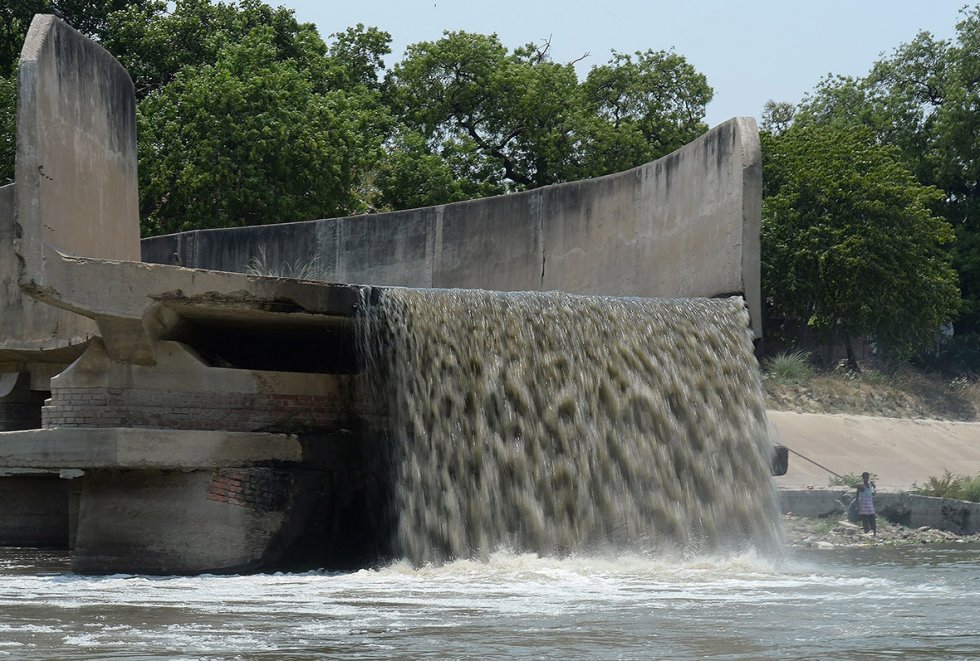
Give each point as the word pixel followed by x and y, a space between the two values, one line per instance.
pixel 562 424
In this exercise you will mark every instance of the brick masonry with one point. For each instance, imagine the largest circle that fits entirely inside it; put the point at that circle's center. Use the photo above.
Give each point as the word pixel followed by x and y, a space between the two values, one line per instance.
pixel 260 489
pixel 174 409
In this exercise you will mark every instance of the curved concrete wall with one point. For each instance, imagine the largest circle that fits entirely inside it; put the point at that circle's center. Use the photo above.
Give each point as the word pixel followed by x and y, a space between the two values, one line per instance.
pixel 684 225
pixel 75 187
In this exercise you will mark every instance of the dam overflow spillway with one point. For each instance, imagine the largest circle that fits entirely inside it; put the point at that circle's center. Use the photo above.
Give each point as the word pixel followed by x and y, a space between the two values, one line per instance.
pixel 186 417
pixel 558 424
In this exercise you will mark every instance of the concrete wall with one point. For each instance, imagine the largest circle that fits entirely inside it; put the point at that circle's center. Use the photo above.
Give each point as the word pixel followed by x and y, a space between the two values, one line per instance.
pixel 75 187
pixel 909 509
pixel 684 225
pixel 27 325
pixel 76 147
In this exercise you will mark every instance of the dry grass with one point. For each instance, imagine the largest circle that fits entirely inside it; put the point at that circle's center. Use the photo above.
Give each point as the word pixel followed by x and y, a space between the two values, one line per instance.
pixel 907 393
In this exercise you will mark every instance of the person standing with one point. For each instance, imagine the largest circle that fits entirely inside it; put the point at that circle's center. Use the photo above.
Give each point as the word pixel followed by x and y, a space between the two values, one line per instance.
pixel 866 504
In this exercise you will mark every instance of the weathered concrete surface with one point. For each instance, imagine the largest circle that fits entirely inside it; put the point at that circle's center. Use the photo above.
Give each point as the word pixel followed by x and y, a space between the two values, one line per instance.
pixel 163 449
pixel 900 452
pixel 912 510
pixel 77 220
pixel 684 225
pixel 222 520
pixel 182 391
pixel 162 523
pixel 29 329
pixel 75 185
pixel 218 495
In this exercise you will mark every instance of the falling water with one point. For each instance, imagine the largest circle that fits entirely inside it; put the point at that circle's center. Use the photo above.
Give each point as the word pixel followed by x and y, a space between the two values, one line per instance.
pixel 562 424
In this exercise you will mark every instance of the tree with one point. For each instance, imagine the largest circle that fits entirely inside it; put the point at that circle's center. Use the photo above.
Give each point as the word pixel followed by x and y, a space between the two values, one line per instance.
pixel 923 99
pixel 505 121
pixel 155 42
pixel 510 116
pixel 777 116
pixel 643 106
pixel 849 243
pixel 249 140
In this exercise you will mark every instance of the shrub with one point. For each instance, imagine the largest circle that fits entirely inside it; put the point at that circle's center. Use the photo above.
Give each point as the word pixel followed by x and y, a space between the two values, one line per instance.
pixel 789 368
pixel 956 487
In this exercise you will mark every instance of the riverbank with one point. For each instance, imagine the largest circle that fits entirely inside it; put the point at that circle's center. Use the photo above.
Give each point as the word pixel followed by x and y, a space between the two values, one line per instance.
pixel 833 532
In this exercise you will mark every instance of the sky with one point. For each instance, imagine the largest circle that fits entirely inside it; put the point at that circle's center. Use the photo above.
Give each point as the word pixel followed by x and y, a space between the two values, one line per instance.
pixel 750 50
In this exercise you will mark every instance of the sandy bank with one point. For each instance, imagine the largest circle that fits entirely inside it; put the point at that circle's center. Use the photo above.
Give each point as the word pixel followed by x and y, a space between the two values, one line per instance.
pixel 900 451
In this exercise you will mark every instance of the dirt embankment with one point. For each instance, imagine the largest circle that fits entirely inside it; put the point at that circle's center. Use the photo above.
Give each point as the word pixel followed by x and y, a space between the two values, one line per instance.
pixel 904 394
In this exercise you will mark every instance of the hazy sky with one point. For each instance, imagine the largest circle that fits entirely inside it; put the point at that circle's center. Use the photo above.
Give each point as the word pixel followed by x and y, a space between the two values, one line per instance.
pixel 750 50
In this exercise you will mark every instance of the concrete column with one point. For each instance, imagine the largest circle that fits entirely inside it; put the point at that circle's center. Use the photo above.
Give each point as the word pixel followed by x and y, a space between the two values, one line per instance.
pixel 227 520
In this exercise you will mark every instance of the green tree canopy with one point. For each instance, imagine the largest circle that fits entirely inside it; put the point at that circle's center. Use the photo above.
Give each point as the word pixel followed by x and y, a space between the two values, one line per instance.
pixel 849 243
pixel 155 42
pixel 247 116
pixel 250 140
pixel 639 108
pixel 924 100
pixel 500 120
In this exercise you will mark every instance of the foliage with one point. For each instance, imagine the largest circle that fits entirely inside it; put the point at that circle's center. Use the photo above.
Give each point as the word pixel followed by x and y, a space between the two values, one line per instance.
pixel 641 107
pixel 849 243
pixel 249 140
pixel 956 487
pixel 499 121
pixel 8 125
pixel 505 118
pixel 155 43
pixel 923 100
pixel 789 368
pixel 247 116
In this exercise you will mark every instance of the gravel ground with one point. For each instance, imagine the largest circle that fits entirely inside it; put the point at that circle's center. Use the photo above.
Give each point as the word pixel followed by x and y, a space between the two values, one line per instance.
pixel 802 532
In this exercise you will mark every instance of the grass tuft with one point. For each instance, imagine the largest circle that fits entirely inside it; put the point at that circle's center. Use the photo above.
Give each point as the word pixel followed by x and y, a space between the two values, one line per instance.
pixel 299 270
pixel 789 368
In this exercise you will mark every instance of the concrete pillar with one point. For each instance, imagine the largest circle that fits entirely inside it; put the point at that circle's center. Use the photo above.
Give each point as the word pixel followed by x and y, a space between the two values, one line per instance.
pixel 33 503
pixel 227 520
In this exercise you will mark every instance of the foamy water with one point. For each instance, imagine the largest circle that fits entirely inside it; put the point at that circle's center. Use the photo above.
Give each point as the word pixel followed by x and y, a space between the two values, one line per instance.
pixel 853 603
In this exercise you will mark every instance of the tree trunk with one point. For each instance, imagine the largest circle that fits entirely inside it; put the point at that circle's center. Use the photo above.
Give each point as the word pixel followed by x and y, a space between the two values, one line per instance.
pixel 852 363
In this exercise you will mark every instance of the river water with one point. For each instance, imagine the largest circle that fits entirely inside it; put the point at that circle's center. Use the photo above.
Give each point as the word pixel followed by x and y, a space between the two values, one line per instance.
pixel 853 603
pixel 619 447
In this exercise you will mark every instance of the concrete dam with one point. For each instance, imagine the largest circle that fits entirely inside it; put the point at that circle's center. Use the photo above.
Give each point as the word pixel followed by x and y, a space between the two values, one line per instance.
pixel 567 370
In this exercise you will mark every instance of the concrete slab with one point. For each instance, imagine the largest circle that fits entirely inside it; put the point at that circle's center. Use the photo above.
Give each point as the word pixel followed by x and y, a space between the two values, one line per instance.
pixel 163 449
pixel 900 452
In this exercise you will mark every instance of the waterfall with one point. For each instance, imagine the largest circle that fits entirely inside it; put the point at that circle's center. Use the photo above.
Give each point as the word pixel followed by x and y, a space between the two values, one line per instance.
pixel 559 424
